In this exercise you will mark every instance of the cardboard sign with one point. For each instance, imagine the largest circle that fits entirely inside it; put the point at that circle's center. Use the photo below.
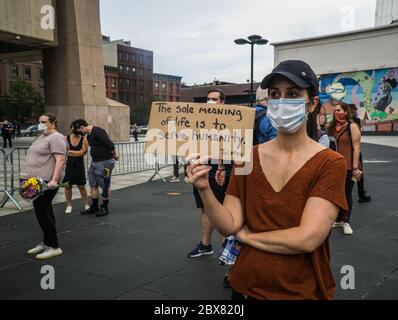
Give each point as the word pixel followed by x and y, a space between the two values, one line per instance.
pixel 219 131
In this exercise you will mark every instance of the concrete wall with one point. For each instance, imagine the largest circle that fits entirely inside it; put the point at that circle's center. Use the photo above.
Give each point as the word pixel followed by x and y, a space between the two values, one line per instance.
pixel 110 55
pixel 370 49
pixel 23 18
pixel 74 72
pixel 386 12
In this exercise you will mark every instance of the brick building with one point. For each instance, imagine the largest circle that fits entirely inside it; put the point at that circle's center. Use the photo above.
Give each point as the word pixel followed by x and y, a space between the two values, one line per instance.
pixel 31 72
pixel 131 68
pixel 167 87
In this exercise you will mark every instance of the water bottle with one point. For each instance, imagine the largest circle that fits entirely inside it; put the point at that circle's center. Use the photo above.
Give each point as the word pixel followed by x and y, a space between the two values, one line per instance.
pixel 231 250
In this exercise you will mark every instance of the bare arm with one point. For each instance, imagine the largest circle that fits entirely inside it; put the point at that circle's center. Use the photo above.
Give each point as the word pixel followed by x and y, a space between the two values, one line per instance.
pixel 82 152
pixel 356 144
pixel 59 165
pixel 316 223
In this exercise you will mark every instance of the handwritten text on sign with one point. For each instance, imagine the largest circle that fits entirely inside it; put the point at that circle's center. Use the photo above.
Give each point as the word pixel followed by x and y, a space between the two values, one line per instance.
pixel 220 131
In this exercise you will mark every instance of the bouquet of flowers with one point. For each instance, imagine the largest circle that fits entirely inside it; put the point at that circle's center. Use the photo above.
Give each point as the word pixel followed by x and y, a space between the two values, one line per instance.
pixel 31 188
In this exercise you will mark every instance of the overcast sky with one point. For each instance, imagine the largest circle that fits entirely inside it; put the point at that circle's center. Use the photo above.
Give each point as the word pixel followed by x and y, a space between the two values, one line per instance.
pixel 194 38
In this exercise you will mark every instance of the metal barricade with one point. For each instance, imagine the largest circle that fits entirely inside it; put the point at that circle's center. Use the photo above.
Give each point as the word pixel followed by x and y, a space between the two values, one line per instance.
pixel 7 180
pixel 132 159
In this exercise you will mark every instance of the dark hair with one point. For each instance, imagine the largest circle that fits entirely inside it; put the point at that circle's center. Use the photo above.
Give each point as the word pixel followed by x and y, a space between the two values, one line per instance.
pixel 79 123
pixel 52 118
pixel 222 94
pixel 312 123
pixel 346 107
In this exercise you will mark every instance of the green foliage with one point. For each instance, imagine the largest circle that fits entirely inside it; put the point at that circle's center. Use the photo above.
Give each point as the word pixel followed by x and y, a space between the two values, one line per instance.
pixel 23 102
pixel 140 114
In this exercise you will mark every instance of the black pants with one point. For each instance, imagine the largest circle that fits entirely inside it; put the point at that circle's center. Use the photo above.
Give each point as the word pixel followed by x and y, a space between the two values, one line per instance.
pixel 361 183
pixel 5 139
pixel 45 217
pixel 349 186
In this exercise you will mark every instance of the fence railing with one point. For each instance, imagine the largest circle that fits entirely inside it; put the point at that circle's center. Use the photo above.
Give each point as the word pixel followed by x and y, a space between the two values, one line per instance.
pixel 132 159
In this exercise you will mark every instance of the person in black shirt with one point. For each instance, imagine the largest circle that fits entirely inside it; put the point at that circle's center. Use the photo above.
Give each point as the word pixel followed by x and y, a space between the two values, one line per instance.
pixel 7 132
pixel 103 154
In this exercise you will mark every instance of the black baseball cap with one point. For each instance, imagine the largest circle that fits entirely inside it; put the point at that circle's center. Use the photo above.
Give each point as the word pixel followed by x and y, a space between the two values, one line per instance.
pixel 79 123
pixel 297 71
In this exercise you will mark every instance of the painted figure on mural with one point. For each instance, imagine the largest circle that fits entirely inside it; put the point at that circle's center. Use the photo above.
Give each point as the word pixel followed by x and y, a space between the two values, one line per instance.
pixel 374 92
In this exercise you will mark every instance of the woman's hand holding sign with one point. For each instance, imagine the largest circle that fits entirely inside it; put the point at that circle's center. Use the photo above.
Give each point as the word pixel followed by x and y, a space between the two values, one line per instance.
pixel 198 171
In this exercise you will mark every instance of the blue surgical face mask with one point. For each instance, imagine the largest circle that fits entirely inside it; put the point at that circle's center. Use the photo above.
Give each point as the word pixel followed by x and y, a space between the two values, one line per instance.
pixel 287 115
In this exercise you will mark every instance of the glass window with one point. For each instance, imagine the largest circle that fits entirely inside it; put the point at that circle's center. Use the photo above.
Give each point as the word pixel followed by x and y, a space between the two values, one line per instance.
pixel 171 87
pixel 121 68
pixel 120 55
pixel 113 82
pixel 133 58
pixel 27 73
pixel 127 56
pixel 156 86
pixel 14 72
pixel 127 83
pixel 141 84
pixel 141 72
pixel 141 59
pixel 41 74
pixel 149 61
pixel 127 69
pixel 164 87
pixel 133 70
pixel 114 96
pixel 121 83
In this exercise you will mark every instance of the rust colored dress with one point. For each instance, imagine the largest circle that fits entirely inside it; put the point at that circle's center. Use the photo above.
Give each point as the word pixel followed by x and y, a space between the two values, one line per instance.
pixel 264 275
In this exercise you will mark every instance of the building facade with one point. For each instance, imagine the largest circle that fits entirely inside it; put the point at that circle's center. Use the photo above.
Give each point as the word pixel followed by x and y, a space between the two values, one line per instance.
pixel 111 82
pixel 131 67
pixel 358 67
pixel 66 37
pixel 235 93
pixel 386 12
pixel 167 87
pixel 32 73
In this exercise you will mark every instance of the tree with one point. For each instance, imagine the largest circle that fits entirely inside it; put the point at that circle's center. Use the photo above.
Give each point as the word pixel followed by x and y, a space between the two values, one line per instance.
pixel 23 102
pixel 140 114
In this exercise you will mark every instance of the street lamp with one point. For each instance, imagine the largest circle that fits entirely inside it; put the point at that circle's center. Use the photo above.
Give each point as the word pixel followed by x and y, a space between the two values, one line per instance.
pixel 252 40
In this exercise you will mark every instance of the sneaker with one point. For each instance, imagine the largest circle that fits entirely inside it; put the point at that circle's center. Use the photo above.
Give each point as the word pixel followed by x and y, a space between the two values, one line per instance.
pixel 338 224
pixel 49 253
pixel 38 249
pixel 364 199
pixel 174 180
pixel 104 211
pixel 347 229
pixel 90 210
pixel 186 180
pixel 201 250
pixel 86 207
pixel 68 210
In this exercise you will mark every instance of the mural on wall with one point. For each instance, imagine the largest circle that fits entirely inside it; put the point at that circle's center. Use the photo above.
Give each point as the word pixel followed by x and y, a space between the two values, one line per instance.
pixel 374 92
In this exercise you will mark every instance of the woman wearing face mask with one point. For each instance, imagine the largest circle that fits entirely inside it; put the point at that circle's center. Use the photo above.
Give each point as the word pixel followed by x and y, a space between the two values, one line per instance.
pixel 348 140
pixel 46 159
pixel 75 172
pixel 284 208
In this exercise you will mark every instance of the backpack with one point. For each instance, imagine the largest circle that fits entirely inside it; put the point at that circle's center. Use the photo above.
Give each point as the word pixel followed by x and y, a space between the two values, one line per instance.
pixel 256 131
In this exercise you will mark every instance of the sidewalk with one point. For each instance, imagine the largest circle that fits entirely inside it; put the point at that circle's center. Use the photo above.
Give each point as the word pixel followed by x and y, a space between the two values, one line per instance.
pixel 139 251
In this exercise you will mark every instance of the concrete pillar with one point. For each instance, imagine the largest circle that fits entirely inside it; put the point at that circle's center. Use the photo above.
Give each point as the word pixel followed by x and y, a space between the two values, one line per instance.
pixel 74 72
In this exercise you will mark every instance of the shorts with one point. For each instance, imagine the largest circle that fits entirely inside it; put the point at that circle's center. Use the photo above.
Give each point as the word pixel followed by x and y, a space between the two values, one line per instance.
pixel 219 192
pixel 99 171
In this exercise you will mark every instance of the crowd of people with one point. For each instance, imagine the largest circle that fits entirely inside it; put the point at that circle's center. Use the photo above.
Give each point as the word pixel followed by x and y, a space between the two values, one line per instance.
pixel 285 248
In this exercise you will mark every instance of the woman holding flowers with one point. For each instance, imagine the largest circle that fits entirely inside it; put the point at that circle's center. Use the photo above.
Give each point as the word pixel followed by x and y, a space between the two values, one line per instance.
pixel 45 160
